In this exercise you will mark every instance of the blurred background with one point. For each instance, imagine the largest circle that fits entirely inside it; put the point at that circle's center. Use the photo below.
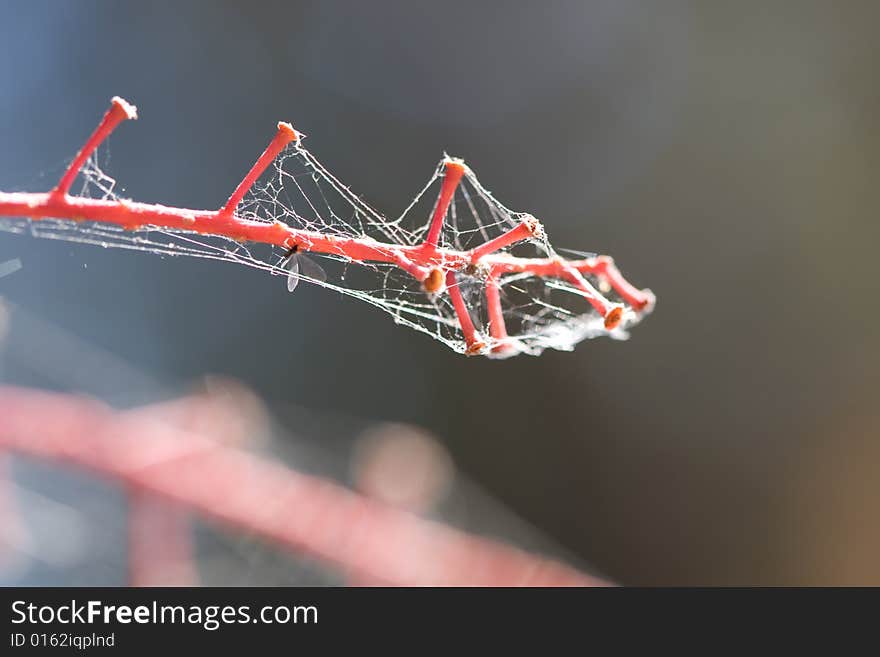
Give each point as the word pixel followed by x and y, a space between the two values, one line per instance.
pixel 725 153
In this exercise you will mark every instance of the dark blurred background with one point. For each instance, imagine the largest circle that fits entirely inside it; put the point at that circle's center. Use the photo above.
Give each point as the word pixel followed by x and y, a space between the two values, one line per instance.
pixel 725 153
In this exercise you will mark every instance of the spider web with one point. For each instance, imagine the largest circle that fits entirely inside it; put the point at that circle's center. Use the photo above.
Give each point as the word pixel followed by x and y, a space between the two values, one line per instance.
pixel 539 313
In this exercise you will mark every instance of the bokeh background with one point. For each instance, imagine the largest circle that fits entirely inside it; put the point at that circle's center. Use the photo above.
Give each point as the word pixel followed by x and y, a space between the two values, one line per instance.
pixel 725 153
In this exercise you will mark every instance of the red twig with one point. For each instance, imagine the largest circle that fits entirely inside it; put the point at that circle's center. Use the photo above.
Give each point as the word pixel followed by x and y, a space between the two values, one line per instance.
pixel 610 312
pixel 526 229
pixel 370 541
pixel 426 262
pixel 118 112
pixel 283 137
pixel 471 340
pixel 497 327
pixel 453 171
